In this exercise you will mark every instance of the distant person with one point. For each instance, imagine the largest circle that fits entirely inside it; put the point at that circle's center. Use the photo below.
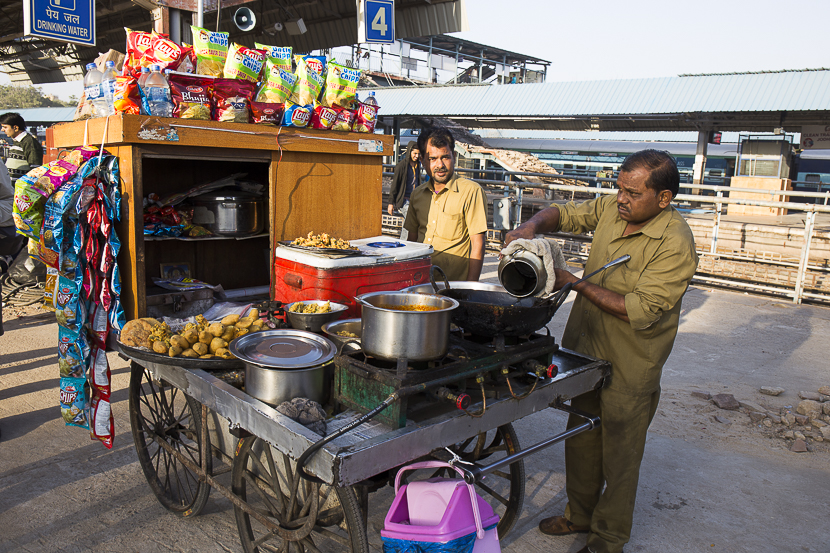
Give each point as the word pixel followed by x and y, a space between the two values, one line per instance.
pixel 27 151
pixel 447 212
pixel 10 242
pixel 407 177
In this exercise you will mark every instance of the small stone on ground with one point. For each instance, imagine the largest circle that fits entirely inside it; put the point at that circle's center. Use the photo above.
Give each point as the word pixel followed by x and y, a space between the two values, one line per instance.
pixel 814 396
pixel 824 390
pixel 771 390
pixel 809 408
pixel 726 401
pixel 702 395
pixel 799 446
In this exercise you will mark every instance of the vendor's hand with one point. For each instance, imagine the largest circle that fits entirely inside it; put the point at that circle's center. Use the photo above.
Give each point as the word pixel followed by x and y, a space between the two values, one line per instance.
pixel 563 277
pixel 391 208
pixel 524 231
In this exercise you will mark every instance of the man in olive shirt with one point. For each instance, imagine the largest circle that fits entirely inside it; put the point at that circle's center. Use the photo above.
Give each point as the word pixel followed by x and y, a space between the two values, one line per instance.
pixel 629 316
pixel 27 151
pixel 447 212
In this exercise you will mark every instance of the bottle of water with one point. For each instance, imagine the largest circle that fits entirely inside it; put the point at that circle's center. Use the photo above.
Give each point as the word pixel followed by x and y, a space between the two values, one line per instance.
pixel 142 87
pixel 158 94
pixel 93 91
pixel 371 100
pixel 108 84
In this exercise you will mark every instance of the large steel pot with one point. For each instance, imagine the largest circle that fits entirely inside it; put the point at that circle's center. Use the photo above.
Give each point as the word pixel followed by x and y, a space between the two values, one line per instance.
pixel 456 284
pixel 390 332
pixel 282 364
pixel 230 213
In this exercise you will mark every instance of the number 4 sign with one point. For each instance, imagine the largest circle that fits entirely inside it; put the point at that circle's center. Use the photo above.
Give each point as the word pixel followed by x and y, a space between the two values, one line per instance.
pixel 376 21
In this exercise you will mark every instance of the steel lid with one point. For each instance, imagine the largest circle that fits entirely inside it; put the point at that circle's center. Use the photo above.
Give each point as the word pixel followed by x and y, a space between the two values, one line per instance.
pixel 284 348
pixel 228 196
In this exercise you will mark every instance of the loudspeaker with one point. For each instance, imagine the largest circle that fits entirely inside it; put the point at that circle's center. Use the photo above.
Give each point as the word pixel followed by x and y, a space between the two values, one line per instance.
pixel 244 19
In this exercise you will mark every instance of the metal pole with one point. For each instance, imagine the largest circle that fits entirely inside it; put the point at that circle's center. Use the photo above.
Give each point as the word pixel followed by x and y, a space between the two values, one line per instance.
pixel 200 13
pixel 805 256
pixel 714 247
pixel 431 69
pixel 480 64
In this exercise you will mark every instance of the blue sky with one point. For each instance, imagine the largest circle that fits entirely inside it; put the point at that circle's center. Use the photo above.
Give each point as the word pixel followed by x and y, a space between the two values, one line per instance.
pixel 608 39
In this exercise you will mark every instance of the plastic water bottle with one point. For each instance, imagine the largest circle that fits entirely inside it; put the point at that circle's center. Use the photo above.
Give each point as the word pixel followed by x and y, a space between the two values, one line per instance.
pixel 371 99
pixel 108 84
pixel 142 87
pixel 93 91
pixel 158 94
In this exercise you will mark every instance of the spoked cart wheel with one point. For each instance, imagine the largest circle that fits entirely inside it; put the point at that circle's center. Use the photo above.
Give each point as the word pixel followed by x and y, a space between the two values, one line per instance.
pixel 503 490
pixel 164 419
pixel 290 514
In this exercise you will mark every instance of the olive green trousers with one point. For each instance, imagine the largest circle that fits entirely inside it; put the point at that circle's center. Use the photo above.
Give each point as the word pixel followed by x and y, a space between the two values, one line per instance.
pixel 607 456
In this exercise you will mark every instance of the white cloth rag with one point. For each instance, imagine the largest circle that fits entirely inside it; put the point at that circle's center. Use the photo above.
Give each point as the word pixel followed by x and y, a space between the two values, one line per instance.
pixel 548 250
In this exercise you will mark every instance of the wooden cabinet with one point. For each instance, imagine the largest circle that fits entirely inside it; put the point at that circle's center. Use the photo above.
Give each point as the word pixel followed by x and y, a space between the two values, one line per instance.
pixel 317 181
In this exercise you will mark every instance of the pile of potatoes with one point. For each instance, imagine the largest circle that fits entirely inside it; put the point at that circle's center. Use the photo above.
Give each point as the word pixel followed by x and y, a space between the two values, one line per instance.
pixel 205 340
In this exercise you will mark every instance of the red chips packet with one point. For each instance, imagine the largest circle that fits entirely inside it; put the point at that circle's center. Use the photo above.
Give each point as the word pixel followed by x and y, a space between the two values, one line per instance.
pixel 126 98
pixel 323 117
pixel 264 113
pixel 191 96
pixel 232 100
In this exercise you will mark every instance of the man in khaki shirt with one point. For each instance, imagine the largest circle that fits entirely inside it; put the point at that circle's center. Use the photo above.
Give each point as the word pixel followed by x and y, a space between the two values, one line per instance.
pixel 447 212
pixel 629 316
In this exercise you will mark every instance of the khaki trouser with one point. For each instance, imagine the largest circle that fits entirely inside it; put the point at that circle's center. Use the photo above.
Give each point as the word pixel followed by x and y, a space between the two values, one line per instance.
pixel 609 455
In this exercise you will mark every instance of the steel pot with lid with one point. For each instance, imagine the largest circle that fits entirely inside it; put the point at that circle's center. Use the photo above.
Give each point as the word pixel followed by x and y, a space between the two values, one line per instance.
pixel 282 364
pixel 230 212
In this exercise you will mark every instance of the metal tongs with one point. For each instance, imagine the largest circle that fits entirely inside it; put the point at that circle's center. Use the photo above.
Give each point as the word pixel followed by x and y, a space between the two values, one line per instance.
pixel 562 293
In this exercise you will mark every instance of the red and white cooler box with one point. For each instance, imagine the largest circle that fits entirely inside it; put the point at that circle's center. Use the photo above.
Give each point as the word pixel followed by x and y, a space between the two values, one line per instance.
pixel 388 264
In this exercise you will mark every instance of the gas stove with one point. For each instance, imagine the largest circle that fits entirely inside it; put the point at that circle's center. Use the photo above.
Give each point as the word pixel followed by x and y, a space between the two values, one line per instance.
pixel 474 370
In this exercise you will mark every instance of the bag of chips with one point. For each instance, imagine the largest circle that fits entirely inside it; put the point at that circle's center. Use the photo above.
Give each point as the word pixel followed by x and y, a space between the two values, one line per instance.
pixel 49 287
pixel 72 353
pixel 27 209
pixel 296 116
pixel 309 84
pixel 280 55
pixel 211 51
pixel 162 52
pixel 367 116
pixel 70 312
pixel 99 369
pixel 232 99
pixel 277 84
pixel 187 63
pixel 345 119
pixel 126 98
pixel 341 86
pixel 266 114
pixel 138 42
pixel 58 173
pixel 243 63
pixel 323 117
pixel 102 426
pixel 74 400
pixel 315 63
pixel 191 96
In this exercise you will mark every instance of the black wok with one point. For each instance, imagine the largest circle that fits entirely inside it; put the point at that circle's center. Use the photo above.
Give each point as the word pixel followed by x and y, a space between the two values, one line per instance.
pixel 486 313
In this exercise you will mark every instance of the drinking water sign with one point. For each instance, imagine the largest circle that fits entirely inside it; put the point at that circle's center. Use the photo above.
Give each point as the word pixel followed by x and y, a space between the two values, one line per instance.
pixel 64 20
pixel 376 21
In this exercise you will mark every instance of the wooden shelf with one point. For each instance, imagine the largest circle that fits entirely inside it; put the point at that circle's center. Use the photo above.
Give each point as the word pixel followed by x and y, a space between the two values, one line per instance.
pixel 202 239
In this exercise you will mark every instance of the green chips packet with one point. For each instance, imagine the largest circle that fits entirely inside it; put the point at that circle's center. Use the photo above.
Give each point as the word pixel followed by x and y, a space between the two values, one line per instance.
pixel 243 63
pixel 211 51
pixel 309 84
pixel 341 86
pixel 277 83
pixel 281 55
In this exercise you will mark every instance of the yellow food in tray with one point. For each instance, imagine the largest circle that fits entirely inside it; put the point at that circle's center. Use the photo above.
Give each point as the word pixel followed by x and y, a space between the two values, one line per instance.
pixel 323 241
pixel 299 307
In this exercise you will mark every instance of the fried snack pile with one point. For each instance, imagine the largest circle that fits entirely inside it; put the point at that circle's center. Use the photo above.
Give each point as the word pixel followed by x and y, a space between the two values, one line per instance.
pixel 300 307
pixel 322 241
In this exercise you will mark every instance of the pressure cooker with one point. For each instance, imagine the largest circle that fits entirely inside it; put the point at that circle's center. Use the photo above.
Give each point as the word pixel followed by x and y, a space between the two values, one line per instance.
pixel 230 212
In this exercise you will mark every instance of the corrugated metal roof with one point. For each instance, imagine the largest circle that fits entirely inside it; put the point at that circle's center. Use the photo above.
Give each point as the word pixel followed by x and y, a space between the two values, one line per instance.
pixel 790 91
pixel 44 115
pixel 607 146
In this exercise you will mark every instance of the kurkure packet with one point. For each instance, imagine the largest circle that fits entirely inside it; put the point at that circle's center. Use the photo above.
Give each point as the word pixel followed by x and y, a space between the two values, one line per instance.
pixel 281 55
pixel 341 86
pixel 309 84
pixel 243 63
pixel 277 84
pixel 211 51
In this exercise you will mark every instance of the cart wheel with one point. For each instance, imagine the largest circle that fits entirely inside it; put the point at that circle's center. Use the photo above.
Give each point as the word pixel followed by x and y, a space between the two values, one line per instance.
pixel 292 514
pixel 503 490
pixel 161 412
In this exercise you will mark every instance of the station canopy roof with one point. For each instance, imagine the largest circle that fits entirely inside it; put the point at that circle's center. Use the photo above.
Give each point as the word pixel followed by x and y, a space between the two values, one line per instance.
pixel 750 102
pixel 329 23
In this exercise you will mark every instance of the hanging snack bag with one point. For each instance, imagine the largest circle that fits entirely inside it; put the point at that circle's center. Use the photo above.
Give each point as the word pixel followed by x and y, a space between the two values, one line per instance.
pixel 211 51
pixel 74 401
pixel 102 426
pixel 345 119
pixel 126 98
pixel 309 84
pixel 70 312
pixel 264 113
pixel 191 96
pixel 27 209
pixel 163 52
pixel 296 116
pixel 138 42
pixel 49 287
pixel 232 100
pixel 341 86
pixel 58 173
pixel 277 84
pixel 72 353
pixel 323 117
pixel 280 55
pixel 243 63
pixel 367 117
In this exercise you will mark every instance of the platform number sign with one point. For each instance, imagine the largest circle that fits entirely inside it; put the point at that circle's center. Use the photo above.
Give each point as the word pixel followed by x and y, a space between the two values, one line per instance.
pixel 376 21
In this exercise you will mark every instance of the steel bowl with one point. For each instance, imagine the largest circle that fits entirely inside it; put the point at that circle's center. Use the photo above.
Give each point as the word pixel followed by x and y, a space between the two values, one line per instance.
pixel 353 326
pixel 313 321
pixel 389 332
pixel 460 284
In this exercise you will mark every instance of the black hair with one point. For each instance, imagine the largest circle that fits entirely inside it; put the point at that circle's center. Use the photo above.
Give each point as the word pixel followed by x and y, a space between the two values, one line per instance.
pixel 439 137
pixel 661 167
pixel 13 119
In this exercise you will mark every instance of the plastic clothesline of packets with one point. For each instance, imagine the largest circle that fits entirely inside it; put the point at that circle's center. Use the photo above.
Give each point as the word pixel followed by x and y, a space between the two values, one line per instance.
pixel 67 209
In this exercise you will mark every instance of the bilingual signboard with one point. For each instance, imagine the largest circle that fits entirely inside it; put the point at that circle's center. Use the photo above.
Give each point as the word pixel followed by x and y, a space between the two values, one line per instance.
pixel 815 137
pixel 63 20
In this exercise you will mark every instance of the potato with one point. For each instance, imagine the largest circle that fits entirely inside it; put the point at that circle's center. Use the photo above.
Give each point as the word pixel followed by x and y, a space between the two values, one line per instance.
pixel 224 353
pixel 228 335
pixel 191 335
pixel 179 342
pixel 174 351
pixel 207 356
pixel 257 326
pixel 253 314
pixel 244 323
pixel 217 343
pixel 160 347
pixel 201 348
pixel 189 353
pixel 217 329
pixel 230 320
pixel 205 337
pixel 241 332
